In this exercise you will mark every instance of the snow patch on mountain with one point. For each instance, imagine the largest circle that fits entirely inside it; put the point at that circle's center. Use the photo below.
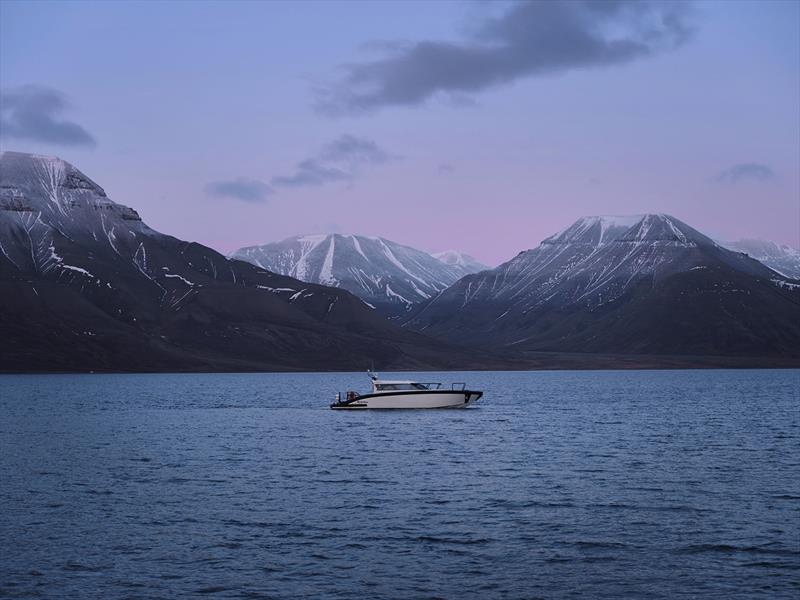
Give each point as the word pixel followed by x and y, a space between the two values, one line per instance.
pixel 80 270
pixel 357 246
pixel 786 284
pixel 176 276
pixel 391 293
pixel 326 275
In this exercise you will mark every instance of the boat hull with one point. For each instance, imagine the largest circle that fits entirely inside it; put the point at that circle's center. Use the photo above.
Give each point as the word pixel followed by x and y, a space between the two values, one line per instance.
pixel 417 399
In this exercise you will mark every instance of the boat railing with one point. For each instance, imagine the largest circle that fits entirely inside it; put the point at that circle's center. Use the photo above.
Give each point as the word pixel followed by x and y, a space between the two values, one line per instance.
pixel 460 389
pixel 350 396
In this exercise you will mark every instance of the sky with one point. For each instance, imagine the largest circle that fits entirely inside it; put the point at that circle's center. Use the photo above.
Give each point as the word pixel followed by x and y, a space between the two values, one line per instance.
pixel 482 127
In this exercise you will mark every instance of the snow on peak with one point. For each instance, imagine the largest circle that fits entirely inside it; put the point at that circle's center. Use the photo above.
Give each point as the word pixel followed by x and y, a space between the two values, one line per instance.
pixel 780 258
pixel 609 223
pixel 384 273
pixel 762 248
pixel 43 158
pixel 663 228
pixel 451 257
pixel 647 228
pixel 595 230
pixel 460 260
pixel 32 174
pixel 316 238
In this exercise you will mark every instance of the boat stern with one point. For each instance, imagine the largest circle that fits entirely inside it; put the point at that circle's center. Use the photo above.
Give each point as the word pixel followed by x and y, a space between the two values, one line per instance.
pixel 471 396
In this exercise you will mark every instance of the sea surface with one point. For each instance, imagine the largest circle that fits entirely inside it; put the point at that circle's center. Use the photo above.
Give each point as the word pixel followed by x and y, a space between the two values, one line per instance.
pixel 648 484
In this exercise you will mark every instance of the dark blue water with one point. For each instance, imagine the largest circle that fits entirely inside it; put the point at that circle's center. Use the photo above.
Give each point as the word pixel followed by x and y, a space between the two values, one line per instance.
pixel 669 484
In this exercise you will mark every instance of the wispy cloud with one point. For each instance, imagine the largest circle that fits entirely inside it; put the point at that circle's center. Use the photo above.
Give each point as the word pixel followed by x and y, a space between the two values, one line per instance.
pixel 745 172
pixel 242 188
pixel 343 159
pixel 531 38
pixel 32 112
pixel 310 172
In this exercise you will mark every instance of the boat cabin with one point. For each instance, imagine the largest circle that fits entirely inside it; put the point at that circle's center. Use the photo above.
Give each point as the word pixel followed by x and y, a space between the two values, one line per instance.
pixel 401 386
pixel 380 386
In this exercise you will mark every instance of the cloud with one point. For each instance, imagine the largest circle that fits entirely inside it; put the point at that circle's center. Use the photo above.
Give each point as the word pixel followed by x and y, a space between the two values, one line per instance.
pixel 32 112
pixel 310 172
pixel 529 39
pixel 247 190
pixel 745 172
pixel 343 159
pixel 445 168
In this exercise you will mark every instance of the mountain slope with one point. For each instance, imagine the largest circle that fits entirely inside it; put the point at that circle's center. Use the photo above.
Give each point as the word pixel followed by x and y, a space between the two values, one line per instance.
pixel 387 275
pixel 783 259
pixel 645 284
pixel 85 284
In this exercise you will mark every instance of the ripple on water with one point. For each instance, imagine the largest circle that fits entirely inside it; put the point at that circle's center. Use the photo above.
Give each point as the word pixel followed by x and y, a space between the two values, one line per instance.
pixel 558 484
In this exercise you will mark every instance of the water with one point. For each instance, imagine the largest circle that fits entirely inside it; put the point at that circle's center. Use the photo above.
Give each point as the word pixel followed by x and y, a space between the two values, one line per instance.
pixel 557 484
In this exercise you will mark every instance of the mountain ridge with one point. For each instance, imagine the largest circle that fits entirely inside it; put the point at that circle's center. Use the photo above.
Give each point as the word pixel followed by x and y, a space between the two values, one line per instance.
pixel 781 258
pixel 386 275
pixel 589 287
pixel 85 284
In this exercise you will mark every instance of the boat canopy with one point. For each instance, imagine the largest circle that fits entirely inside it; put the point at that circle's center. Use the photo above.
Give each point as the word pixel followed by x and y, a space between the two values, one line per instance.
pixel 385 385
pixel 399 385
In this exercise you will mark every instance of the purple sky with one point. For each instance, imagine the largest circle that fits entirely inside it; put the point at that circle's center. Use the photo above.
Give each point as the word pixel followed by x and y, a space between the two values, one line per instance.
pixel 481 127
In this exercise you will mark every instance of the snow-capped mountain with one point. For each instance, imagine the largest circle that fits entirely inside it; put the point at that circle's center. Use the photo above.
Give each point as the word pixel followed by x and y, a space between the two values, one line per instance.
pixel 640 284
pixel 463 263
pixel 783 259
pixel 388 276
pixel 85 284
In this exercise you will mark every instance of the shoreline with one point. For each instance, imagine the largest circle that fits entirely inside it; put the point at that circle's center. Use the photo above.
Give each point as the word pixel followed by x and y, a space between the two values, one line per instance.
pixel 531 362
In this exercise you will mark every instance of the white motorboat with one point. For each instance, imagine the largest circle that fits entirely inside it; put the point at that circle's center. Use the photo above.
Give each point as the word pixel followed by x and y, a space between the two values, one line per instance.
pixel 407 394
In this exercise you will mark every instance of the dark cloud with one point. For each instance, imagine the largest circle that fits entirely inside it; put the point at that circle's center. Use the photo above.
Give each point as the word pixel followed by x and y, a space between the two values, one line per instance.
pixel 247 190
pixel 343 159
pixel 745 172
pixel 529 39
pixel 33 112
pixel 310 172
pixel 445 168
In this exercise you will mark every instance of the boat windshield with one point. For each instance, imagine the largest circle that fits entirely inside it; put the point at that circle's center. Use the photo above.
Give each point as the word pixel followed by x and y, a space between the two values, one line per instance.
pixel 400 386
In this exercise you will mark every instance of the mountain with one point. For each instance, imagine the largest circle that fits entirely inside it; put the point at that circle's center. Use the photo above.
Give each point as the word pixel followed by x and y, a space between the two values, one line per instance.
pixel 86 285
pixel 646 284
pixel 463 263
pixel 783 259
pixel 388 276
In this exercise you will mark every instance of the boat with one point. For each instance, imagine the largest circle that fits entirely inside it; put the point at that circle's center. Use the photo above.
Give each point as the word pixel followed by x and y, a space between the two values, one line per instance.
pixel 407 394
